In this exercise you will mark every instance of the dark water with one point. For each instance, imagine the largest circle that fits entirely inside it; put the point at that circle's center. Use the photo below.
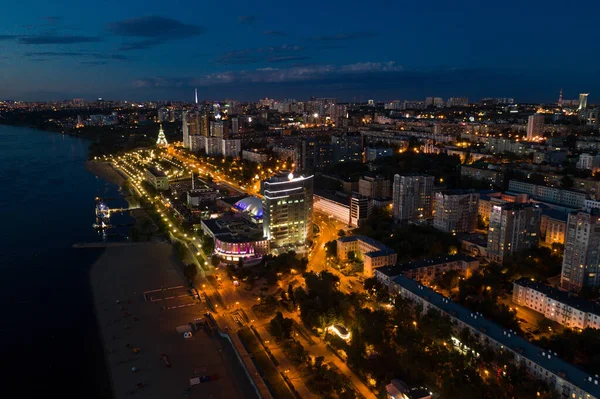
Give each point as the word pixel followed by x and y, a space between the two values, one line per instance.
pixel 48 331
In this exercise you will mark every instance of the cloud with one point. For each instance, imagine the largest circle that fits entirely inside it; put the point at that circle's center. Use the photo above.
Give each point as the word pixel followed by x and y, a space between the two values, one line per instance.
pixel 153 30
pixel 77 54
pixel 55 39
pixel 8 37
pixel 288 58
pixel 344 36
pixel 246 19
pixel 94 63
pixel 274 33
pixel 275 75
pixel 257 55
pixel 155 26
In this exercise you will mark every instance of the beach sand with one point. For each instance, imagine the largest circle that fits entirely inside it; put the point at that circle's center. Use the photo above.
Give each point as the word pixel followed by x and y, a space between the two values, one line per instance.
pixel 105 171
pixel 126 273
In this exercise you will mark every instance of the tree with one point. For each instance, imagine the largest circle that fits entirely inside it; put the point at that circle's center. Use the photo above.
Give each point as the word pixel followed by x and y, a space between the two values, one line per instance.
pixel 190 271
pixel 351 255
pixel 280 327
pixel 291 293
pixel 215 261
pixel 567 182
pixel 331 249
pixel 341 233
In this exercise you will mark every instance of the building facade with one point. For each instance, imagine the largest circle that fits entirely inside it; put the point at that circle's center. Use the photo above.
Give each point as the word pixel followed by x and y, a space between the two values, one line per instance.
pixel 535 126
pixel 513 227
pixel 157 178
pixel 581 260
pixel 373 253
pixel 413 198
pixel 456 211
pixel 374 187
pixel 288 210
pixel 570 311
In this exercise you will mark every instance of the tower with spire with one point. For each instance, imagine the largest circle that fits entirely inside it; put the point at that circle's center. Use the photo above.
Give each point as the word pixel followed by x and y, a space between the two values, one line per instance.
pixel 162 140
pixel 196 96
pixel 560 99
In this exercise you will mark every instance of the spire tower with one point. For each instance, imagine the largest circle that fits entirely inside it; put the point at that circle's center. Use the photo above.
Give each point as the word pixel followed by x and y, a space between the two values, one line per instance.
pixel 196 95
pixel 162 140
pixel 560 100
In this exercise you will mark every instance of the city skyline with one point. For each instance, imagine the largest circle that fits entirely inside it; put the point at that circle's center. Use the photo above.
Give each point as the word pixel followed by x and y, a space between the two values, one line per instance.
pixel 413 51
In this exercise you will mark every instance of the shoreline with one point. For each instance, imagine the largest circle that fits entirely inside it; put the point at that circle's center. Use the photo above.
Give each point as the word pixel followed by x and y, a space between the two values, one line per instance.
pixel 105 171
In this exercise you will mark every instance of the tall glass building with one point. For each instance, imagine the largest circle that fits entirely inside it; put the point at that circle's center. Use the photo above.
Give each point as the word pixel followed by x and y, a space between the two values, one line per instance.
pixel 288 210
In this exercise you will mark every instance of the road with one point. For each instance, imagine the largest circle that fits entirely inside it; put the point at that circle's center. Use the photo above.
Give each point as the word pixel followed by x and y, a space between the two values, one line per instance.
pixel 236 298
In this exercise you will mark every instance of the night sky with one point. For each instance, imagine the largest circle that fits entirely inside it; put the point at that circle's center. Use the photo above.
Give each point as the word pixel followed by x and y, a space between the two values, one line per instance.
pixel 385 50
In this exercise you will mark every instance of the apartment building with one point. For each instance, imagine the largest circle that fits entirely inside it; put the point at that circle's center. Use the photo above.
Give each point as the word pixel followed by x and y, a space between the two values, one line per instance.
pixel 560 306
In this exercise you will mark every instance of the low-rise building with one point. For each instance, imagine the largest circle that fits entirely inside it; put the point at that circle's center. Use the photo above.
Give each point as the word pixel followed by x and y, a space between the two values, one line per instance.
pixel 236 237
pixel 197 197
pixel 562 307
pixel 398 389
pixel 373 153
pixel 494 175
pixel 566 379
pixel 372 252
pixel 426 270
pixel 254 155
pixel 569 198
pixel 157 178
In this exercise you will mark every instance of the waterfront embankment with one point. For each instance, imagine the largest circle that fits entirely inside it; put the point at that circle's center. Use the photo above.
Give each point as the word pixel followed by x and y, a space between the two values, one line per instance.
pixel 140 298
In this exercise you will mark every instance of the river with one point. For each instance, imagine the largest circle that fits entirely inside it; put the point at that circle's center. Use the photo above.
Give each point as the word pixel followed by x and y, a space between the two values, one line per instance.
pixel 48 328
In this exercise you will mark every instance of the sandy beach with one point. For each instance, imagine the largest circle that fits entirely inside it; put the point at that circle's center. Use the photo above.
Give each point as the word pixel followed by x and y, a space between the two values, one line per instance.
pixel 140 299
pixel 105 171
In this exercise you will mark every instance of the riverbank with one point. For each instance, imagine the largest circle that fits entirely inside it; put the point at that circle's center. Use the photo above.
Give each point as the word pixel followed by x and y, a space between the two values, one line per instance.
pixel 139 299
pixel 105 171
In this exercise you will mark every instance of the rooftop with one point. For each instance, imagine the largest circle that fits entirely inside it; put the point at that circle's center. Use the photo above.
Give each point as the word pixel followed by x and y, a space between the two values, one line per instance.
pixel 156 172
pixel 396 270
pixel 507 338
pixel 382 249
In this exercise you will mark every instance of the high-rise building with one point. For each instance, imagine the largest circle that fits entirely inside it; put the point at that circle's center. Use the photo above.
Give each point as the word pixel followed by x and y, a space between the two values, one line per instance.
pixel 581 261
pixel 347 148
pixel 360 209
pixel 583 97
pixel 231 148
pixel 205 124
pixel 413 197
pixel 457 102
pixel 235 126
pixel 163 114
pixel 374 187
pixel 434 101
pixel 220 129
pixel 456 211
pixel 535 126
pixel 288 210
pixel 190 127
pixel 513 228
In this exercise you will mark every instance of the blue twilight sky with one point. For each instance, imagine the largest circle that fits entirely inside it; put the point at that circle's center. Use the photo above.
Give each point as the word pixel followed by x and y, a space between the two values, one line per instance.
pixel 385 50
